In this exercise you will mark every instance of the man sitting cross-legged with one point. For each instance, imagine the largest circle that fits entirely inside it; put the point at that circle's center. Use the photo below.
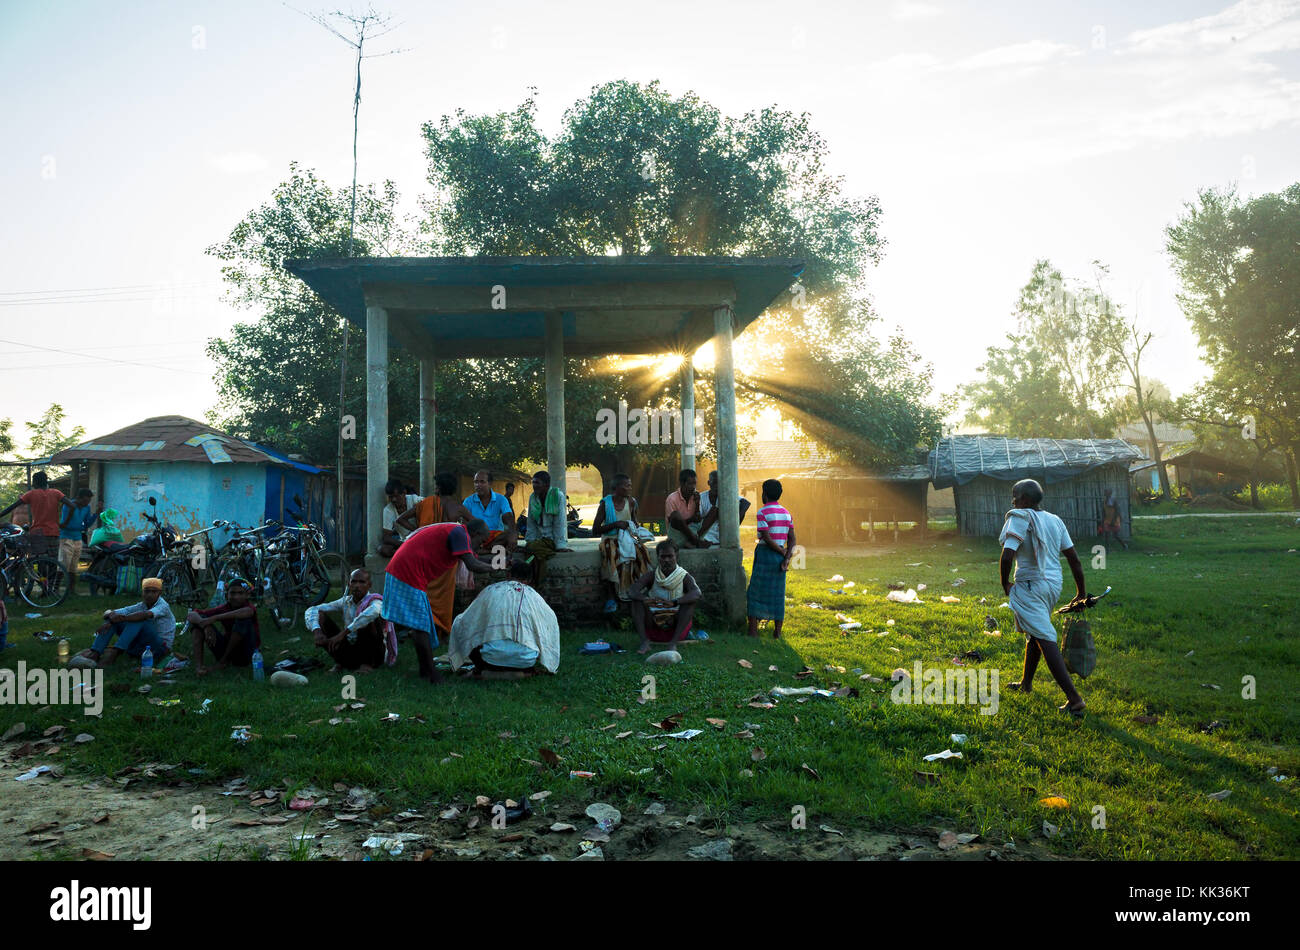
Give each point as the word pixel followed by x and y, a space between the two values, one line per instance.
pixel 229 629
pixel 508 629
pixel 663 600
pixel 148 624
pixel 351 629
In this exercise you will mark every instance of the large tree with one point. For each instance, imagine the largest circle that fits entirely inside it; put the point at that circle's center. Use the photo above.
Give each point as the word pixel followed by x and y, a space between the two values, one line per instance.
pixel 637 171
pixel 1236 262
pixel 1058 374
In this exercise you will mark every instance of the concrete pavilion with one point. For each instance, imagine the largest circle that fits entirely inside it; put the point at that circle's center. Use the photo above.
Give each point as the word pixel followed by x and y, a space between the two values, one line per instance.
pixel 443 308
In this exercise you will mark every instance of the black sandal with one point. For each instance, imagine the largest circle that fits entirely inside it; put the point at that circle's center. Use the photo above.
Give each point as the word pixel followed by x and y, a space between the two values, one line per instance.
pixel 1016 687
pixel 1076 713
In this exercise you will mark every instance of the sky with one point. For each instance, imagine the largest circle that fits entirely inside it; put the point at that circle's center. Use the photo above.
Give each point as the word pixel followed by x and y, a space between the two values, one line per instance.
pixel 139 134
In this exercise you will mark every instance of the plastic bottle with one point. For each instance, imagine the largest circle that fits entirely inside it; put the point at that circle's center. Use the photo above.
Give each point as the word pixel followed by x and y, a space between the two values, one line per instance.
pixel 258 671
pixel 146 663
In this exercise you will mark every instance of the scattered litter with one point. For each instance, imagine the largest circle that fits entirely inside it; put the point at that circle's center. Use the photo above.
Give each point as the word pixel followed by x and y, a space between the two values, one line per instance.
pixel 1279 778
pixel 1054 801
pixel 1212 686
pixel 945 754
pixel 390 843
pixel 298 803
pixel 854 625
pixel 758 755
pixel 848 585
pixel 1188 653
pixel 241 734
pixel 834 580
pixel 900 597
pixel 684 734
pixel 1220 795
pixel 563 826
pixel 949 599
pixel 203 709
pixel 391 717
pixel 1050 830
pixel 713 851
pixel 830 831
pixel 84 737
pixel 600 646
pixel 947 841
pixel 959 738
pixel 45 636
pixel 959 582
pixel 606 816
pixel 746 664
pixel 33 617
pixel 581 774
pixel 889 623
pixel 32 773
pixel 655 808
pixel 801 691
pixel 165 702
pixel 870 679
pixel 899 674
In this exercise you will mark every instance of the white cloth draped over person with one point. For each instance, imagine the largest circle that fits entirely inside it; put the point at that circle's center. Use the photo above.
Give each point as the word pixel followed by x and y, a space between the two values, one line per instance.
pixel 507 610
pixel 1038 538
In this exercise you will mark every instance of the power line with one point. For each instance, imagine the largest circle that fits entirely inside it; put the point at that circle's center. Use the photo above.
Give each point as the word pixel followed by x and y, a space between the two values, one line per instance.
pixel 103 359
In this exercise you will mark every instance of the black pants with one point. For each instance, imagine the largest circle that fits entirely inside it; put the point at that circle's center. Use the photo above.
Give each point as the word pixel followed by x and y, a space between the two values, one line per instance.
pixel 367 651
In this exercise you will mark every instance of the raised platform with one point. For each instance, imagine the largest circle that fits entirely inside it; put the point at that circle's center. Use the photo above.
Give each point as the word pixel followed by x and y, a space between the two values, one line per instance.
pixel 574 590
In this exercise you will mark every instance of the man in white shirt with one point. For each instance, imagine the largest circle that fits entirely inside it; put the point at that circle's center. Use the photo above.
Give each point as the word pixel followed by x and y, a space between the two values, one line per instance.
pixel 351 629
pixel 149 624
pixel 399 502
pixel 1036 540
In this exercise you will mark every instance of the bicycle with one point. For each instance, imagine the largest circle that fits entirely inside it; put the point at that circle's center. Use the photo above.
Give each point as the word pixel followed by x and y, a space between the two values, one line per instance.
pixel 250 555
pixel 184 583
pixel 39 580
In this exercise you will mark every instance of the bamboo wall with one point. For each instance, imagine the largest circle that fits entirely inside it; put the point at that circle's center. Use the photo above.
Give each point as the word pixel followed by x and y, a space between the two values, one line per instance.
pixel 982 504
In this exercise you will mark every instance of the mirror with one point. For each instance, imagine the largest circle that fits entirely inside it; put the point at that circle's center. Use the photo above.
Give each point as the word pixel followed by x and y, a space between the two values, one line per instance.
pixel 297 500
pixel 153 501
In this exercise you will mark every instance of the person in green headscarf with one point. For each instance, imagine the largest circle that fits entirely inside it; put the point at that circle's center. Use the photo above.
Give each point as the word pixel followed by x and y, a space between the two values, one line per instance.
pixel 108 529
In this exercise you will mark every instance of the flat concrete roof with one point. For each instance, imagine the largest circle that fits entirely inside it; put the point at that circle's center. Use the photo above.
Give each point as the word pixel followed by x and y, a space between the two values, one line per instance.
pixel 466 307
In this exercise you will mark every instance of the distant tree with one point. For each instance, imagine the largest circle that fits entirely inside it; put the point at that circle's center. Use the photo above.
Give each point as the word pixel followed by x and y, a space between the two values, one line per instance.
pixel 6 440
pixel 1142 400
pixel 1058 374
pixel 1236 262
pixel 45 436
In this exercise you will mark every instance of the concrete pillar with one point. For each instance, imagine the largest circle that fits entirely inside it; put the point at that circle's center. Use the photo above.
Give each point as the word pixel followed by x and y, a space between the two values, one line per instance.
pixel 428 426
pixel 731 573
pixel 376 423
pixel 688 417
pixel 556 462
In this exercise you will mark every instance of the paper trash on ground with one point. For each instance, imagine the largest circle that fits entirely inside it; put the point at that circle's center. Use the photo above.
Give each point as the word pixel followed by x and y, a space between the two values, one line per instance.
pixel 945 754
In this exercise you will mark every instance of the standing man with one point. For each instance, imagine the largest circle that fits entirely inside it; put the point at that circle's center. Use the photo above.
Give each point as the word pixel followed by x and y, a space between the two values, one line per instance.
pixel 1036 540
pixel 709 529
pixel 682 511
pixel 43 531
pixel 76 521
pixel 428 555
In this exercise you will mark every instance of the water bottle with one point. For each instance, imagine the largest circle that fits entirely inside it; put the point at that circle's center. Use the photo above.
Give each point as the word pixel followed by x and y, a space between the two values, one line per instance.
pixel 146 663
pixel 258 671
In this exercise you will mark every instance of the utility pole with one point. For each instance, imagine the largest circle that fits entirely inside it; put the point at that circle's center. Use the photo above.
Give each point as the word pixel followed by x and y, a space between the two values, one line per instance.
pixel 369 25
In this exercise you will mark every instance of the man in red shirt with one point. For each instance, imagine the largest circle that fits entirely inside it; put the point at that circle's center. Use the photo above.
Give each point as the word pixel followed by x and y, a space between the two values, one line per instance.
pixel 426 555
pixel 44 503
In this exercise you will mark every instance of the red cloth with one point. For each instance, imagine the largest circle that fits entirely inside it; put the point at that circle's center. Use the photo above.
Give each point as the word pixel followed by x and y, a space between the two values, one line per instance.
pixel 429 552
pixel 44 503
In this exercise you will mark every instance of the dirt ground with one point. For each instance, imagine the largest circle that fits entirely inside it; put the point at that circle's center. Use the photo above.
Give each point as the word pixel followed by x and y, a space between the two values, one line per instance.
pixel 160 814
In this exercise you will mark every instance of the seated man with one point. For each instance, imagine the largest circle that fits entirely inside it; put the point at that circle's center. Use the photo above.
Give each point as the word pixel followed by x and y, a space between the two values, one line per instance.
pixel 148 624
pixel 441 508
pixel 229 629
pixel 682 513
pixel 709 528
pixel 399 502
pixel 663 600
pixel 623 556
pixel 495 511
pixel 507 630
pixel 357 640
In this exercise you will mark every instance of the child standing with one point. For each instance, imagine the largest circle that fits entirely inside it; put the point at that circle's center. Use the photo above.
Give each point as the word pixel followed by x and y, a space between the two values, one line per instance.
pixel 766 595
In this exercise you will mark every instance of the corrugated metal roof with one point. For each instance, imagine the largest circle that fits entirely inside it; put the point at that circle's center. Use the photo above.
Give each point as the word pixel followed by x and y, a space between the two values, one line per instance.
pixel 959 459
pixel 780 453
pixel 167 439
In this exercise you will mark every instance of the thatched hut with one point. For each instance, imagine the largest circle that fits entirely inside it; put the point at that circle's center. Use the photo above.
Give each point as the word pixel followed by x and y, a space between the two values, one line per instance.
pixel 1075 475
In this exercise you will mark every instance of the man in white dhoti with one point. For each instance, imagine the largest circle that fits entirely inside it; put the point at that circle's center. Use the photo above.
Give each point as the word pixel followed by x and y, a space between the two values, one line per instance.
pixel 508 629
pixel 1036 540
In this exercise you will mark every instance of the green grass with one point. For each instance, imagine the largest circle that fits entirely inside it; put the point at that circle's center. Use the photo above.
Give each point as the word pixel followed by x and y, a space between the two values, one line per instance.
pixel 1237 618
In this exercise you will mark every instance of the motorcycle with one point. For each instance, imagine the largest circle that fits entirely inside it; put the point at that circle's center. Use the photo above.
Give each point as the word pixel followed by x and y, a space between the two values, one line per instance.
pixel 142 554
pixel 574 528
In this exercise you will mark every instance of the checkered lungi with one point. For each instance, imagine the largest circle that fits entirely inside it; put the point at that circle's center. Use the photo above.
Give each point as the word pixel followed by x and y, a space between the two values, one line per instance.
pixel 766 595
pixel 409 607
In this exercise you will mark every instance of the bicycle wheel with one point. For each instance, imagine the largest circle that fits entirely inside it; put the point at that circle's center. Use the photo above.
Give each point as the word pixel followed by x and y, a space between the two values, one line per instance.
pixel 177 587
pixel 324 571
pixel 42 582
pixel 102 575
pixel 282 595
